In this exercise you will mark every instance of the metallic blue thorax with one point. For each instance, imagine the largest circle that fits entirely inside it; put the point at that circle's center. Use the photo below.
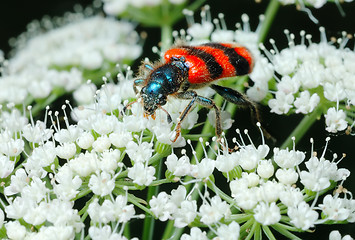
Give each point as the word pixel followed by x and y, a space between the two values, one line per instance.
pixel 166 79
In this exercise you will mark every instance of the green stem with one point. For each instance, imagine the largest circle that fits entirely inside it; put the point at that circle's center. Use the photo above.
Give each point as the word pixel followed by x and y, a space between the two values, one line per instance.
pixel 268 232
pixel 270 14
pixel 166 37
pixel 131 198
pixel 149 222
pixel 255 229
pixel 302 128
pixel 169 229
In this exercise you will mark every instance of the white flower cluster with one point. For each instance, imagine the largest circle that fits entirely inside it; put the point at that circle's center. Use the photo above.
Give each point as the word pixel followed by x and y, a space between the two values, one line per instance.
pixel 335 235
pixel 259 188
pixel 67 162
pixel 313 75
pixel 179 207
pixel 116 7
pixel 58 57
pixel 307 75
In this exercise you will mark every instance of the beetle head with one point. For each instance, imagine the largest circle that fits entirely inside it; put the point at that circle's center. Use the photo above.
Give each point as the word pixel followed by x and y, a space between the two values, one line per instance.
pixel 153 97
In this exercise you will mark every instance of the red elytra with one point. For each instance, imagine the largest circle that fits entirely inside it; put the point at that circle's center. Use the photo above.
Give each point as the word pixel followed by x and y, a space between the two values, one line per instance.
pixel 213 61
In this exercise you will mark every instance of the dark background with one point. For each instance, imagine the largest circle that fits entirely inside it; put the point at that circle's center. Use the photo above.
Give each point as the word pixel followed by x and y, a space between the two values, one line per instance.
pixel 16 14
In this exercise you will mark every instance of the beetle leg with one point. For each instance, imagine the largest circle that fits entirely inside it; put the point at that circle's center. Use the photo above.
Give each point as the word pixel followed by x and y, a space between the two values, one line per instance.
pixel 206 102
pixel 240 99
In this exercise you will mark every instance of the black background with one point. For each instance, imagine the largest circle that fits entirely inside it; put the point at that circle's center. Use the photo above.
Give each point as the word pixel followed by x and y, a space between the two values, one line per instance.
pixel 16 14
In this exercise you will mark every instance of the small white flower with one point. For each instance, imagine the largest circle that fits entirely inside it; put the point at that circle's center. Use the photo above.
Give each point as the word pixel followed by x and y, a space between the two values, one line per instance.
pixel 68 183
pixel 302 216
pixel 213 212
pixel 203 169
pixel 139 152
pixel 267 214
pixel 101 184
pixel 265 169
pixel 230 232
pixel 288 85
pixel 37 133
pixel 120 136
pixel 103 232
pixel 262 72
pixel 11 147
pixel 84 164
pixel 333 208
pixel 284 63
pixel 335 120
pixel 36 191
pixel 286 176
pixel 317 3
pixel 226 162
pixel 335 235
pixel 141 175
pixel 288 159
pixel 306 103
pixel 6 166
pixel 185 214
pixel 270 191
pixel 252 178
pixel 101 144
pixel 222 35
pixel 248 156
pixel 123 212
pixel 319 174
pixel 60 232
pixel 85 140
pixel 36 215
pixel 281 104
pixel 199 31
pixel 66 150
pixel 18 181
pixel 19 207
pixel 109 160
pixel 310 74
pixel 239 185
pixel 179 167
pixel 258 91
pixel 335 92
pixel 15 230
pixel 14 121
pixel 195 234
pixel 160 207
pixel 104 124
pixel 291 197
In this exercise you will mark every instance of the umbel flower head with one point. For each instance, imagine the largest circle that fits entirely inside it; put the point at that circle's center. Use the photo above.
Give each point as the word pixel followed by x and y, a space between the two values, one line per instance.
pixel 63 52
pixel 112 156
pixel 314 77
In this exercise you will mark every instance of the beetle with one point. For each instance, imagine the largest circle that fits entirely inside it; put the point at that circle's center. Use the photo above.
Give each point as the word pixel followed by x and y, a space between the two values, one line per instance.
pixel 191 67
